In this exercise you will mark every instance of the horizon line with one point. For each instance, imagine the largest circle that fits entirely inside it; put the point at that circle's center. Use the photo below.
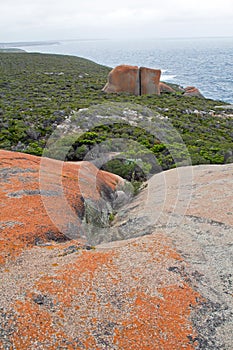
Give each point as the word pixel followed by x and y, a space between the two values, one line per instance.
pixel 57 41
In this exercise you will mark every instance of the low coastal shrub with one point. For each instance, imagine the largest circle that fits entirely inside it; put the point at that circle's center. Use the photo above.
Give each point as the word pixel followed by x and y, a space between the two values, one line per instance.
pixel 39 91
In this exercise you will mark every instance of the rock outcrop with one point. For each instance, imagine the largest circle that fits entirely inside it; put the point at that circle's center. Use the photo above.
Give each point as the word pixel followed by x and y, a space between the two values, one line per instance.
pixel 43 199
pixel 141 81
pixel 123 78
pixel 192 91
pixel 165 88
pixel 165 284
pixel 133 80
pixel 149 79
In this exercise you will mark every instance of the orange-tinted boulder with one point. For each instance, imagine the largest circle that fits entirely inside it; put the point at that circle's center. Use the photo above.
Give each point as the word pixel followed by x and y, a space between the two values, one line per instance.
pixel 165 88
pixel 141 81
pixel 123 78
pixel 150 81
pixel 45 201
pixel 192 91
pixel 133 80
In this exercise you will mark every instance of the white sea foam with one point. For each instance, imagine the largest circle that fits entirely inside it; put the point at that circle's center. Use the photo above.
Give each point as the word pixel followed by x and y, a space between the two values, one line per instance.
pixel 168 77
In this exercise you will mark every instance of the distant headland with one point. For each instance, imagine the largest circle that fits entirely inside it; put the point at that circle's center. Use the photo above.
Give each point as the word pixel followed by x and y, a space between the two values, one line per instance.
pixel 27 43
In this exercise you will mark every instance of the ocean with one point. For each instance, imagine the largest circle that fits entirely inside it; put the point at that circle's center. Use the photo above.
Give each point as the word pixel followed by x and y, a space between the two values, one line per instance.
pixel 206 63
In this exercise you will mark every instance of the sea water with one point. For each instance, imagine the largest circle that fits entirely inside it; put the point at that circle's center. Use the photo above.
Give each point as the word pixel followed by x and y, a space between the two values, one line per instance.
pixel 206 63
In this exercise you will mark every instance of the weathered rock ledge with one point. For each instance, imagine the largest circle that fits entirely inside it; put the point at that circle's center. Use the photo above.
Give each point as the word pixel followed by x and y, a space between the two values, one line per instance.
pixel 45 200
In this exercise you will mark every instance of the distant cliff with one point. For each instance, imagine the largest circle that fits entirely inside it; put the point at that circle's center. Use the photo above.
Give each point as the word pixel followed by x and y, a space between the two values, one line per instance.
pixel 14 50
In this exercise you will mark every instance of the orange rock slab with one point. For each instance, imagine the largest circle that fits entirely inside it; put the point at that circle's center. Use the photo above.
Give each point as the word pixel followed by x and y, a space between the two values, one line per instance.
pixel 34 199
pixel 150 81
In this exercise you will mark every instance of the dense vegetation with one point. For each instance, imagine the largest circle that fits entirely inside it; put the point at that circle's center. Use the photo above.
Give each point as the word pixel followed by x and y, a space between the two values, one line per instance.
pixel 38 91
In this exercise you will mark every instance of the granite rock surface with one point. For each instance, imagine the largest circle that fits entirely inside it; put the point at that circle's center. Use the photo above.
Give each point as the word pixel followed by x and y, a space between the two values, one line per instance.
pixel 160 279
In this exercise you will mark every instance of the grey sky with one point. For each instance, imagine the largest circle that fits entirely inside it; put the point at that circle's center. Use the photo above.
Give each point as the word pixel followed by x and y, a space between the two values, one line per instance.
pixel 28 20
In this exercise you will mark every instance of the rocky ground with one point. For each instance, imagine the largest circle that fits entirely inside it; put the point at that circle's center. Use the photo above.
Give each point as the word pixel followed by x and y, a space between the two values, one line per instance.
pixel 160 277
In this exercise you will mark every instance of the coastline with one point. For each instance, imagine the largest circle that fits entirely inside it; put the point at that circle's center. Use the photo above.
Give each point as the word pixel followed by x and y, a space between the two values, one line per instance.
pixel 203 62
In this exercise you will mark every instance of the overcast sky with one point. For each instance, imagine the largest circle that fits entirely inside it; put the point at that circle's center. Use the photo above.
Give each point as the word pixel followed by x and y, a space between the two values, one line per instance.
pixel 28 20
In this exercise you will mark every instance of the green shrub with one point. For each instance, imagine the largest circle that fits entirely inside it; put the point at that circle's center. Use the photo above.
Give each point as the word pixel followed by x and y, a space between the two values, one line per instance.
pixel 39 91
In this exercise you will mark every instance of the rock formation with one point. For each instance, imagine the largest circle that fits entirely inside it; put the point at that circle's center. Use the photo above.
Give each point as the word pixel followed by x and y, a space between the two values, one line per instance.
pixel 165 88
pixel 165 284
pixel 141 81
pixel 123 78
pixel 133 80
pixel 149 79
pixel 33 200
pixel 192 91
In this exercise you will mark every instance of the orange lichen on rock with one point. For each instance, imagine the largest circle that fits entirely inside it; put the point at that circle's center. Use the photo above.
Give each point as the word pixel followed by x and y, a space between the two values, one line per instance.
pixel 124 297
pixel 64 286
pixel 159 323
pixel 36 329
pixel 41 198
pixel 41 320
pixel 137 293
